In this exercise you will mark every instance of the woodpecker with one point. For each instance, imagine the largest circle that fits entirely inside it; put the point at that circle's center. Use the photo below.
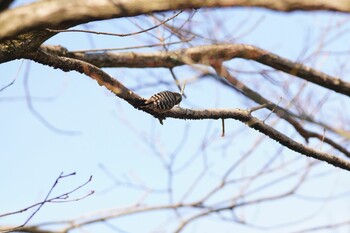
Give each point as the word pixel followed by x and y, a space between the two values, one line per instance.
pixel 163 101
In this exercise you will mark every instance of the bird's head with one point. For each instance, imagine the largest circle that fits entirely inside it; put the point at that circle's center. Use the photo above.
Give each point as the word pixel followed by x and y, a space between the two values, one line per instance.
pixel 178 97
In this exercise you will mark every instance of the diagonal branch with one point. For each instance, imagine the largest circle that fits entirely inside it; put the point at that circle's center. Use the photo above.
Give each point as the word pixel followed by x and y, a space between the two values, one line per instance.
pixel 103 79
pixel 214 54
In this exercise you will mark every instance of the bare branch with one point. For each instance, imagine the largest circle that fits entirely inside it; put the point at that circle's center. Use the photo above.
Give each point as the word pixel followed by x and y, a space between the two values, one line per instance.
pixel 207 55
pixel 252 122
pixel 223 186
pixel 223 128
pixel 48 14
pixel 281 112
pixel 123 92
pixel 131 47
pixel 117 34
pixel 36 113
pixel 331 226
pixel 13 81
pixel 47 199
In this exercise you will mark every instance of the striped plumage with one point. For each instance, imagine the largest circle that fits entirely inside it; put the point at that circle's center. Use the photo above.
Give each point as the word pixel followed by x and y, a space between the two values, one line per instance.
pixel 163 101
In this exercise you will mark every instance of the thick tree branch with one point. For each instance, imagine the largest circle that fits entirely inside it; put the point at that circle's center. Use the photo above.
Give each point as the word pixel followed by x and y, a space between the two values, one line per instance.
pixel 70 64
pixel 67 13
pixel 208 54
pixel 18 46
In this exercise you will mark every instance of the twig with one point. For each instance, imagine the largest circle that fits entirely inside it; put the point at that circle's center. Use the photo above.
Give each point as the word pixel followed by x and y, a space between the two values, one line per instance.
pixel 115 34
pixel 182 92
pixel 223 127
pixel 13 81
pixel 281 112
pixel 40 117
pixel 127 48
pixel 273 110
pixel 57 199
pixel 177 82
pixel 262 106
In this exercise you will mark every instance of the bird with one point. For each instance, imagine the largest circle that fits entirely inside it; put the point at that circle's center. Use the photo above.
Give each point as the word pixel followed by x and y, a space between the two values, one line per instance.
pixel 163 101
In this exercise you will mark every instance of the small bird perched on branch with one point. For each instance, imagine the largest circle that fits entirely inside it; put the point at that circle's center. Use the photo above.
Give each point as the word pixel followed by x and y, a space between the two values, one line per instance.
pixel 163 101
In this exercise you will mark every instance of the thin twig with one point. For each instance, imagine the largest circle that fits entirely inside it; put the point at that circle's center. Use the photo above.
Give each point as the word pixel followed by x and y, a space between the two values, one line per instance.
pixel 177 82
pixel 115 34
pixel 40 117
pixel 127 48
pixel 223 127
pixel 15 78
pixel 272 111
pixel 57 199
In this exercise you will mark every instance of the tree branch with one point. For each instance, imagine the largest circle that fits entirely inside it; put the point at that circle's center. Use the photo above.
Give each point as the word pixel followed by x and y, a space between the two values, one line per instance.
pixel 281 112
pixel 18 46
pixel 60 198
pixel 103 79
pixel 207 55
pixel 214 54
pixel 252 122
pixel 44 14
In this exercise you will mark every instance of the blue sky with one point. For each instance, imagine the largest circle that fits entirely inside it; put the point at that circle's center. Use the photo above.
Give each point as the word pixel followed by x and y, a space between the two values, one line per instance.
pixel 110 133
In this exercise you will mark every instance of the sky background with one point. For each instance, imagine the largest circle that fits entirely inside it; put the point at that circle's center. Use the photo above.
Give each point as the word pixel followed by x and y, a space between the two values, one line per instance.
pixel 96 132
